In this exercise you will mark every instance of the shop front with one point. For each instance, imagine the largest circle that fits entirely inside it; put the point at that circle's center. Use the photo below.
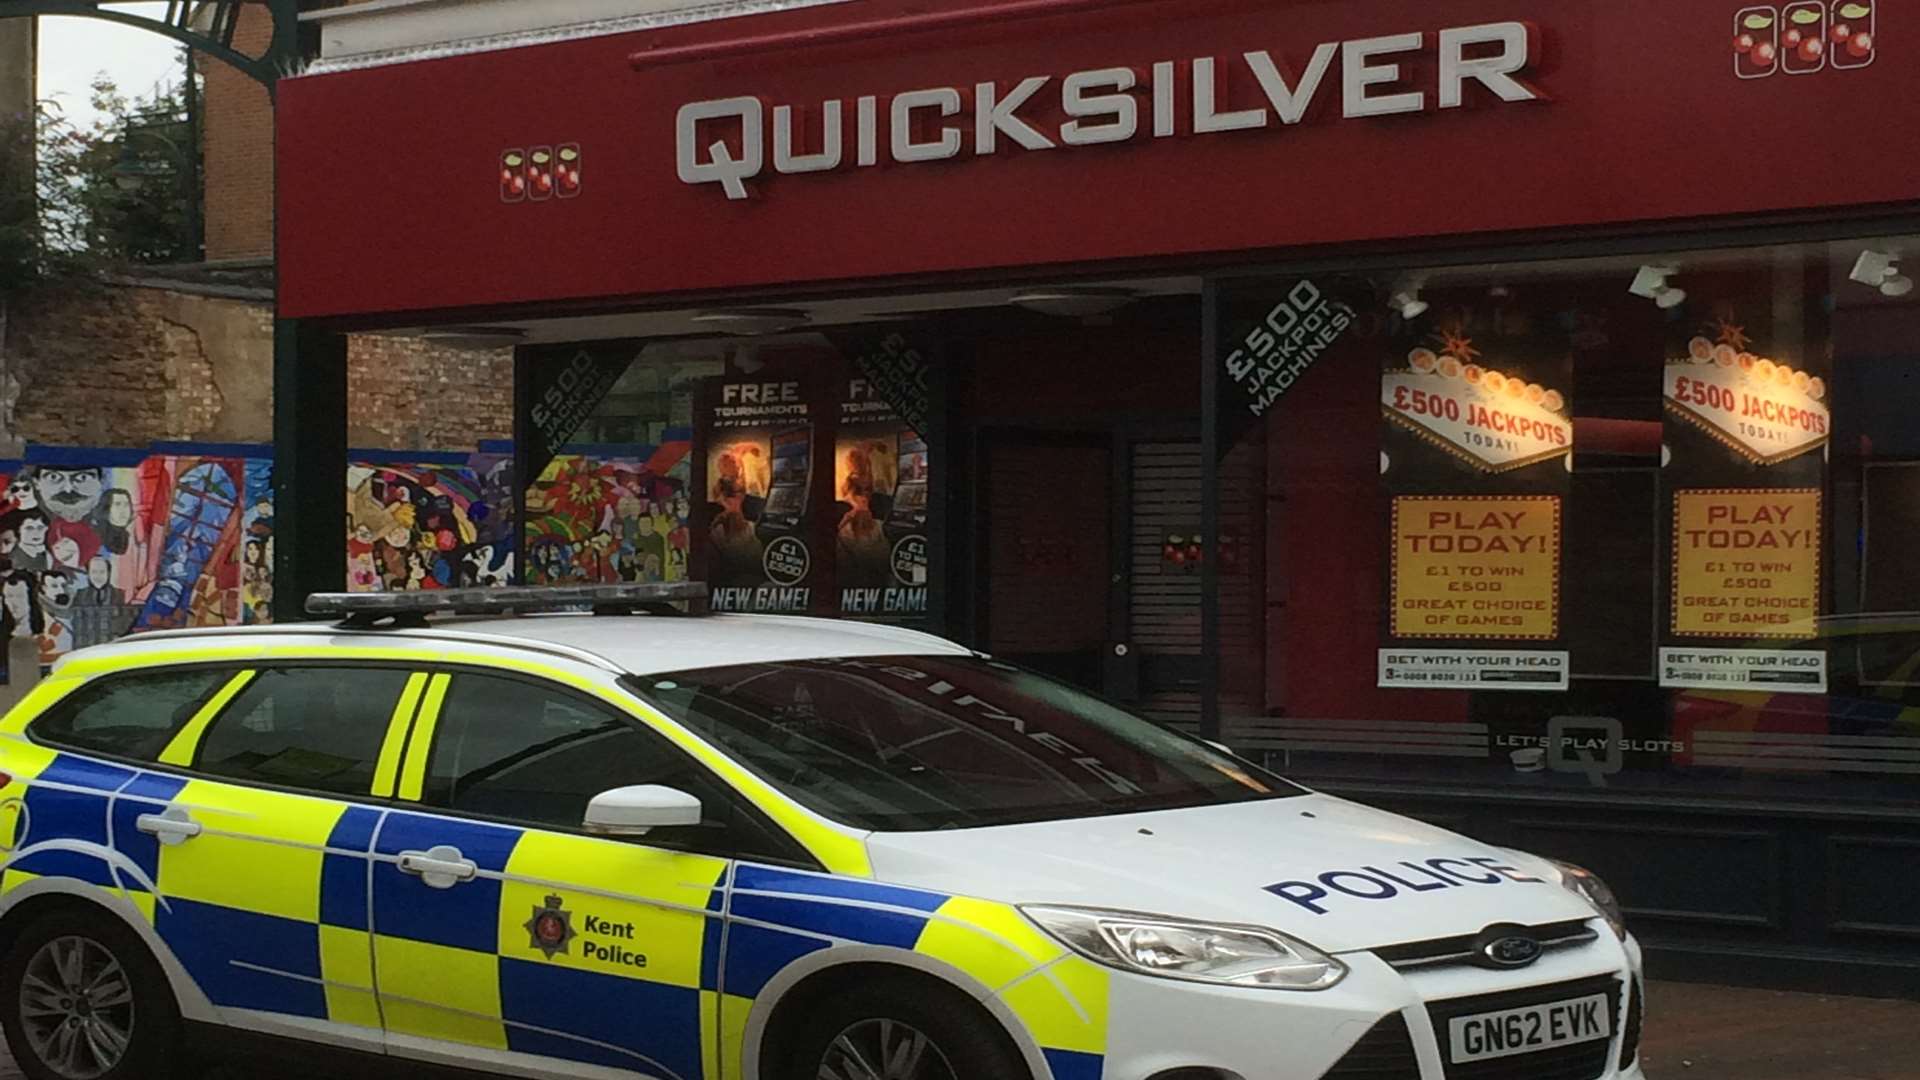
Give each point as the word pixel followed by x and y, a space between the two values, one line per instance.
pixel 1499 411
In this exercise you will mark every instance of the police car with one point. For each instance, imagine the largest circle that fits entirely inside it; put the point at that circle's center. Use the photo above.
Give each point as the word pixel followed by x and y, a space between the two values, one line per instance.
pixel 639 842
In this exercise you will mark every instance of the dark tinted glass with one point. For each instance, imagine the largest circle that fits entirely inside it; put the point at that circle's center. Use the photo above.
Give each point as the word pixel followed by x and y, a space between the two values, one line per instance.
pixel 511 749
pixel 923 742
pixel 314 728
pixel 131 716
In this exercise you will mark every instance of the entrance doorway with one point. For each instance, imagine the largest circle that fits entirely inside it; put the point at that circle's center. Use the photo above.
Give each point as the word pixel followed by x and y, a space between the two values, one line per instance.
pixel 1089 548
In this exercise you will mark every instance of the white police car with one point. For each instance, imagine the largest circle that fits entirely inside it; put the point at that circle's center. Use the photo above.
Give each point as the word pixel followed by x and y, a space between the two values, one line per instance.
pixel 655 845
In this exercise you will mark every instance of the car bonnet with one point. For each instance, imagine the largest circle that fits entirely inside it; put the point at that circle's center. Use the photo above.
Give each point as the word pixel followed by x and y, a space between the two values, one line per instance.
pixel 1336 874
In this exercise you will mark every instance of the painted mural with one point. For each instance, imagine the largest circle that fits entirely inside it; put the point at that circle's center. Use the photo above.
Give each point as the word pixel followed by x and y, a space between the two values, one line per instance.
pixel 603 519
pixel 430 524
pixel 97 544
pixel 91 551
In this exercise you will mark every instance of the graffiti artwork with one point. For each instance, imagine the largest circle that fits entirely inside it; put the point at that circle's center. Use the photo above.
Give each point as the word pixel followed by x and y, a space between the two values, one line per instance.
pixel 593 519
pixel 92 552
pixel 430 526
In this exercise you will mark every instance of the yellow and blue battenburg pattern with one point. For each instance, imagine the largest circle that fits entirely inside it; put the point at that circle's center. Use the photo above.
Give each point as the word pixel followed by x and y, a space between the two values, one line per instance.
pixel 557 945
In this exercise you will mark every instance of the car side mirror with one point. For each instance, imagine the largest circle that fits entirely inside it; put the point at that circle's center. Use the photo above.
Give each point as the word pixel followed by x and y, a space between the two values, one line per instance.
pixel 638 810
pixel 1220 746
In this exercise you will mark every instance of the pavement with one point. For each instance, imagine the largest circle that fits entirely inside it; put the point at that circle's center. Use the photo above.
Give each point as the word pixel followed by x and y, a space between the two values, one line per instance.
pixel 1695 1032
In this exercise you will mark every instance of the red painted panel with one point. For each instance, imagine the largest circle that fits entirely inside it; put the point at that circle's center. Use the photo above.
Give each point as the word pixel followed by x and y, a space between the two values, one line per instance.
pixel 391 178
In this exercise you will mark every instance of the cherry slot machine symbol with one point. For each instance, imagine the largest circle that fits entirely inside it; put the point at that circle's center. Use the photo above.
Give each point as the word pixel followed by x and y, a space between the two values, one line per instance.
pixel 1853 35
pixel 513 176
pixel 566 170
pixel 1803 37
pixel 540 173
pixel 1756 42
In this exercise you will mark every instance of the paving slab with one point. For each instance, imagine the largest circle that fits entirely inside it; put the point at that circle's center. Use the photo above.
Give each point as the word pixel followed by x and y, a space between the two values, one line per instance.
pixel 1700 1032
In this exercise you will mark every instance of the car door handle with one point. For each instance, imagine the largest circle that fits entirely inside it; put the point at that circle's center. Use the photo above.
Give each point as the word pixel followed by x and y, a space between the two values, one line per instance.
pixel 440 867
pixel 170 826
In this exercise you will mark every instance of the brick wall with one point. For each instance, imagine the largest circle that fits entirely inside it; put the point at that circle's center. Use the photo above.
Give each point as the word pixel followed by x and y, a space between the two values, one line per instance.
pixel 407 393
pixel 126 366
pixel 239 149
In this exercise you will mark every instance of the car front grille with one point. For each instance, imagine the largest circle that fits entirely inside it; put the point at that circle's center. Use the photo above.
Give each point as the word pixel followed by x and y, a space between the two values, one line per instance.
pixel 1384 1053
pixel 1452 951
pixel 1580 1061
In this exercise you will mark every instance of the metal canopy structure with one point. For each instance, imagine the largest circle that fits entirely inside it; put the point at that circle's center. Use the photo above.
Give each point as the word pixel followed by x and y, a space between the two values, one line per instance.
pixel 205 27
pixel 309 363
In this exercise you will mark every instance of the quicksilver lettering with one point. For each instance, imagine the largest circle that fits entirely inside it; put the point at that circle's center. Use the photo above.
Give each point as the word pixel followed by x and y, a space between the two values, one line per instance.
pixel 724 142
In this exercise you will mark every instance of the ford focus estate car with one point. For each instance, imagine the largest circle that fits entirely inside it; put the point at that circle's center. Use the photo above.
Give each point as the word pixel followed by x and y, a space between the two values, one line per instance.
pixel 644 843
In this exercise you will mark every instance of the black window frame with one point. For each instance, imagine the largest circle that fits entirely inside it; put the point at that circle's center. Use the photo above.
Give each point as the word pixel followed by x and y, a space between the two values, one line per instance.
pixel 738 802
pixel 36 734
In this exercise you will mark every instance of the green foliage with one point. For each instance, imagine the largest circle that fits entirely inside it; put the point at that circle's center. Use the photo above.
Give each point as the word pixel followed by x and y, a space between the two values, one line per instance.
pixel 75 201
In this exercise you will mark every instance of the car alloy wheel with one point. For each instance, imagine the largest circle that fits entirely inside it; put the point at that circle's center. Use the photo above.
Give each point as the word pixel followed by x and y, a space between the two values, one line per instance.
pixel 881 1049
pixel 76 1007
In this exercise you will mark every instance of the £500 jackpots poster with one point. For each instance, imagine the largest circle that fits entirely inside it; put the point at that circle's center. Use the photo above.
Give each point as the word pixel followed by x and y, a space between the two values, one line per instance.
pixel 1747 423
pixel 880 491
pixel 754 462
pixel 1476 443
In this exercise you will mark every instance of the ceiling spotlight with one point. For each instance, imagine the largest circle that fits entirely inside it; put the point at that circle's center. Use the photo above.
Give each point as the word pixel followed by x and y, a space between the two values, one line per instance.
pixel 1651 282
pixel 1881 270
pixel 475 337
pixel 1072 302
pixel 1406 298
pixel 753 320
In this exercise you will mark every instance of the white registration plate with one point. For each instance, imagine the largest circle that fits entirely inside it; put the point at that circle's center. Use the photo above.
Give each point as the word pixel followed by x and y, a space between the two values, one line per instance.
pixel 1525 1030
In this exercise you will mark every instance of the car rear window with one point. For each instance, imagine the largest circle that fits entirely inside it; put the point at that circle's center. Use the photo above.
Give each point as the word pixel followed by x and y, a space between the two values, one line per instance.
pixel 128 716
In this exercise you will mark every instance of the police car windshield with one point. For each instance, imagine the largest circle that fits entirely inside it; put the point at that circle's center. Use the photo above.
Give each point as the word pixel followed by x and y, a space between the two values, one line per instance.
pixel 919 742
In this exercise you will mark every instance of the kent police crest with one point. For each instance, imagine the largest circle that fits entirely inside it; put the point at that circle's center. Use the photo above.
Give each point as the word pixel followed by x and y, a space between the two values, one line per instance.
pixel 551 928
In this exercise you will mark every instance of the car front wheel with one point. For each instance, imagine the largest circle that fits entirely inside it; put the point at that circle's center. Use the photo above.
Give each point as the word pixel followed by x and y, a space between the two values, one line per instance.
pixel 882 1032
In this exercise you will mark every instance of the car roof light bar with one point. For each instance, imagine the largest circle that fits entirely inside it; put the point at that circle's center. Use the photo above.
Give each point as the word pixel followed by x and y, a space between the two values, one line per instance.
pixel 401 609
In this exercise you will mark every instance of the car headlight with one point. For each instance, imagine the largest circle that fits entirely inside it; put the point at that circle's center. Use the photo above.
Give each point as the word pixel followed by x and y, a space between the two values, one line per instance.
pixel 1588 886
pixel 1200 952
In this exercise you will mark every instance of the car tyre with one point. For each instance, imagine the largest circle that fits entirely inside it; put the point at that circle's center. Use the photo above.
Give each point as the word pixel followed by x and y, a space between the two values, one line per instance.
pixel 897 1030
pixel 81 998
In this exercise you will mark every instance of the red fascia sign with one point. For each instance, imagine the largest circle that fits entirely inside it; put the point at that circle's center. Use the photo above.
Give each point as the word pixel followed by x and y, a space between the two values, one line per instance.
pixel 1100 106
pixel 1202 129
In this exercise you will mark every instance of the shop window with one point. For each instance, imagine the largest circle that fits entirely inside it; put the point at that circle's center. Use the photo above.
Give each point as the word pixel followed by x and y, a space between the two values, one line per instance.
pixel 1610 523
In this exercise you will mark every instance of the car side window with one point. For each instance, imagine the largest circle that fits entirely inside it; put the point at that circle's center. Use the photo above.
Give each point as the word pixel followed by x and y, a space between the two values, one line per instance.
pixel 129 716
pixel 318 728
pixel 520 751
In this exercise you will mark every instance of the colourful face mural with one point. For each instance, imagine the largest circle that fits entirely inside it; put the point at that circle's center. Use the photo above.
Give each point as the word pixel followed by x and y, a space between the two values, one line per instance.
pixel 89 553
pixel 604 520
pixel 429 526
pixel 94 552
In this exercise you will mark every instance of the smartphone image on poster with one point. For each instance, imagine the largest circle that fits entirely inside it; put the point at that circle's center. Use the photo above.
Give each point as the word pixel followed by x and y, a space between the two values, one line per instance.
pixel 908 515
pixel 786 509
pixel 1803 37
pixel 540 173
pixel 513 177
pixel 1853 35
